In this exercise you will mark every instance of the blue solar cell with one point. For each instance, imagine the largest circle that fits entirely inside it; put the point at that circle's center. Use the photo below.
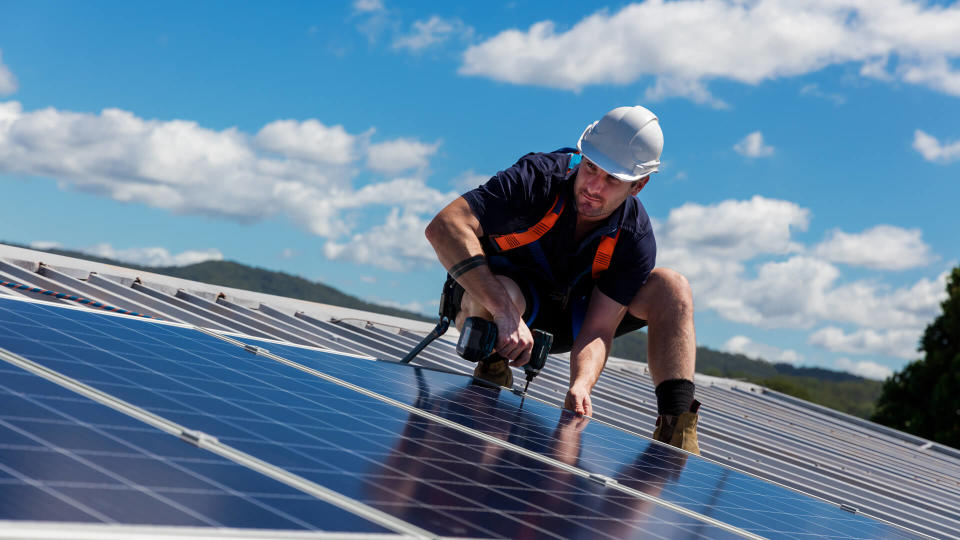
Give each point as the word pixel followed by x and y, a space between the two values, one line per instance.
pixel 66 458
pixel 429 474
pixel 696 484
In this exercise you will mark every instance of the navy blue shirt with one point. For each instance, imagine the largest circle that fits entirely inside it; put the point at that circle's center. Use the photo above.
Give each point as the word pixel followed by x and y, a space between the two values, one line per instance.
pixel 519 197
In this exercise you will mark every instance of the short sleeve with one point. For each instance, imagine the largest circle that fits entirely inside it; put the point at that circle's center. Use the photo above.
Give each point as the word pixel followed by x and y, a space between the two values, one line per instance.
pixel 630 267
pixel 513 196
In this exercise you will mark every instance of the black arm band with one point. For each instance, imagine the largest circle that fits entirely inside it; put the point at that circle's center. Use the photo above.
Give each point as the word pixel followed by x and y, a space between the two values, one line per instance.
pixel 466 265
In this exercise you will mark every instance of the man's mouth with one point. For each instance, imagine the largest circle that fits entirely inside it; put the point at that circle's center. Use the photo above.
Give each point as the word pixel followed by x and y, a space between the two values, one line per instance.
pixel 590 199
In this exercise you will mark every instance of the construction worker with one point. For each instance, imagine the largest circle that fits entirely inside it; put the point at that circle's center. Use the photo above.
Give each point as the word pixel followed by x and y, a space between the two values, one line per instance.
pixel 559 242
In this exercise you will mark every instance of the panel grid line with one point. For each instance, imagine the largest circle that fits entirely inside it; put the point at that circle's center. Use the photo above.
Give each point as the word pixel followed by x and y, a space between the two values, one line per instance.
pixel 216 447
pixel 151 357
pixel 490 439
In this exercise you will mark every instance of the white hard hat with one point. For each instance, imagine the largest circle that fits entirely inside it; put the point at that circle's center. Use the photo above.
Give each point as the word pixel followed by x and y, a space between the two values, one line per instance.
pixel 626 143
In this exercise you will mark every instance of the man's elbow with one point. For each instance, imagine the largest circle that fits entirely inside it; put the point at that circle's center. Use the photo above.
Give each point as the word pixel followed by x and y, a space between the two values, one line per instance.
pixel 435 230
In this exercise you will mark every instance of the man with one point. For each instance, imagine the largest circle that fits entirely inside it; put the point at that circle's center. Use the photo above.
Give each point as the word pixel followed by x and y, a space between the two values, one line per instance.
pixel 559 242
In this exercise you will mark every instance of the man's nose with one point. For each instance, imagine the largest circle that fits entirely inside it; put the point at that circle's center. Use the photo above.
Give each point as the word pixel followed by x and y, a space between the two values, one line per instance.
pixel 595 184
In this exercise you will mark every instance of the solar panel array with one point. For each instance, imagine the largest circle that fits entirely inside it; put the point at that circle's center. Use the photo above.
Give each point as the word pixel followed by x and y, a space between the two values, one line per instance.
pixel 309 434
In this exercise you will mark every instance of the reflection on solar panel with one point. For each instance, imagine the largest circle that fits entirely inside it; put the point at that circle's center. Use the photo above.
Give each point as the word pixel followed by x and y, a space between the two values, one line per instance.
pixel 696 484
pixel 413 450
pixel 64 457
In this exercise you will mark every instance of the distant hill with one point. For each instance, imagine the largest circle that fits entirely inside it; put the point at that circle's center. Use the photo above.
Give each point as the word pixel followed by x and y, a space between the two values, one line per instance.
pixel 241 276
pixel 835 389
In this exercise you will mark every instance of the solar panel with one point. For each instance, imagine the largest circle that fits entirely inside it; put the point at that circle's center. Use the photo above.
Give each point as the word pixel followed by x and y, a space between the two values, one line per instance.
pixel 431 474
pixel 905 480
pixel 64 457
pixel 699 485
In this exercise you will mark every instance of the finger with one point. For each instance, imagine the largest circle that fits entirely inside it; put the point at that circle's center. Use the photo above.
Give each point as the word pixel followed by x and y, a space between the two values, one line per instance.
pixel 522 359
pixel 580 408
pixel 510 351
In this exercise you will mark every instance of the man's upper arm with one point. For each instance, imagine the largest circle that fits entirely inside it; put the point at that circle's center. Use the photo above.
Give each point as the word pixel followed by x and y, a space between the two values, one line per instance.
pixel 459 212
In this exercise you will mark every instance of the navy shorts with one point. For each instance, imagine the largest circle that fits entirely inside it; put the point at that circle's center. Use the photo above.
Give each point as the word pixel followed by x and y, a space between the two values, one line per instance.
pixel 549 312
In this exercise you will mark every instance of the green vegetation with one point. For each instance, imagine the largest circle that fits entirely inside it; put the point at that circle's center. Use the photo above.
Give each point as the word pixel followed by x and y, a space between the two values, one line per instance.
pixel 835 389
pixel 924 397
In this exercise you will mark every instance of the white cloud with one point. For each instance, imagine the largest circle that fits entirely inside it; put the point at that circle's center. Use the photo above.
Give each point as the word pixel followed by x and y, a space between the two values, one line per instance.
pixel 183 167
pixel 432 31
pixel 803 291
pixel 686 43
pixel 873 305
pixel 752 146
pixel 694 90
pixel 759 351
pixel 367 6
pixel 398 244
pixel 791 293
pixel 368 279
pixel 713 246
pixel 882 247
pixel 932 150
pixel 45 244
pixel 400 155
pixel 153 256
pixel 735 229
pixel 8 81
pixel 935 73
pixel 901 343
pixel 288 253
pixel 813 89
pixel 309 140
pixel 866 369
pixel 373 19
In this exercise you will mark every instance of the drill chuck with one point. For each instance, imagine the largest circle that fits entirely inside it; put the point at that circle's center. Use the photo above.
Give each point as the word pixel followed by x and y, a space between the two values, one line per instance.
pixel 542 341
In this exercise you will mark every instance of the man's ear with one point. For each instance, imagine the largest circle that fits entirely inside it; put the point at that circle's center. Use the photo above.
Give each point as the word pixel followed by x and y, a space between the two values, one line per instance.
pixel 639 185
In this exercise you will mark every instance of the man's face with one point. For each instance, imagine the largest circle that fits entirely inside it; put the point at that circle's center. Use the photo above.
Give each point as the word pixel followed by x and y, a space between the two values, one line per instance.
pixel 598 194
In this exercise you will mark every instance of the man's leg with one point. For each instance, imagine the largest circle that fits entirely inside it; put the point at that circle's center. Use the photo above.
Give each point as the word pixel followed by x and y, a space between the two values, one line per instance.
pixel 665 301
pixel 471 308
pixel 497 371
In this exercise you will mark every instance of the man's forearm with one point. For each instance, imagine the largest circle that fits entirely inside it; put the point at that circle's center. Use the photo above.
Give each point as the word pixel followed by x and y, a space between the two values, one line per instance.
pixel 459 250
pixel 587 359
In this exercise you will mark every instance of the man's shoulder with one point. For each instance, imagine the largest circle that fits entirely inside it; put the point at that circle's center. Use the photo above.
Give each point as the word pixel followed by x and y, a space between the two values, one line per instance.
pixel 547 163
pixel 537 174
pixel 635 219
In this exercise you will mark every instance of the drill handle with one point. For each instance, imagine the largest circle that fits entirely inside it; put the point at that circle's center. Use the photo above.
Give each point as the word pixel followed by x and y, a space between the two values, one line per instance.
pixel 542 341
pixel 477 339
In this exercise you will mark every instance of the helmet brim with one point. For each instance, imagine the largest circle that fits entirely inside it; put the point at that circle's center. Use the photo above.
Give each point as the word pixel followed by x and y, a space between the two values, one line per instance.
pixel 608 165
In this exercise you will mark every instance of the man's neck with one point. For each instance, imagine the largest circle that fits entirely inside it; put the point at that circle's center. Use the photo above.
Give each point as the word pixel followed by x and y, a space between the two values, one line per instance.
pixel 587 225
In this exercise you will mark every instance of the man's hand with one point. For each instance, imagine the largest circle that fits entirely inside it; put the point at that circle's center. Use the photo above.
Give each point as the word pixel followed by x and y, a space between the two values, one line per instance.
pixel 514 340
pixel 578 400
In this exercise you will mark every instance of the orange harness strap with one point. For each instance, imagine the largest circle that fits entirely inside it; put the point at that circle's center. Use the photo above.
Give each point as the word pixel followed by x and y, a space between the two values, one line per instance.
pixel 531 235
pixel 601 261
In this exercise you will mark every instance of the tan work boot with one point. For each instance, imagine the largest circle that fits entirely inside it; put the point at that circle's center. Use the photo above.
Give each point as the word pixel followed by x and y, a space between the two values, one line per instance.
pixel 679 431
pixel 495 370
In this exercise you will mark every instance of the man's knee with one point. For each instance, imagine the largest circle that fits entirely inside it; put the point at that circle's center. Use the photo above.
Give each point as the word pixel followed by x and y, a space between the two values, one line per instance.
pixel 665 290
pixel 470 307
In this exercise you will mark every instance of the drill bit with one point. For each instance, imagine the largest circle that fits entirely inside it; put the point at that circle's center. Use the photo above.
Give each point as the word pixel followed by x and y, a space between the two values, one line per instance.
pixel 524 395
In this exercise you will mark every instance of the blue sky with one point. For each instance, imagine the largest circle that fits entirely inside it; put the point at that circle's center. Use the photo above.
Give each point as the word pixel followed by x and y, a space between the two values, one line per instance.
pixel 810 177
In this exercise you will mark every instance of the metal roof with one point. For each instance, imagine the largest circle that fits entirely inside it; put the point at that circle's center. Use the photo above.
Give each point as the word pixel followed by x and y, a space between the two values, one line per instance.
pixel 847 461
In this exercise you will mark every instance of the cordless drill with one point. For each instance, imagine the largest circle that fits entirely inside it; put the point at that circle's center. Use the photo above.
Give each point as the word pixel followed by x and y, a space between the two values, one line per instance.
pixel 478 337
